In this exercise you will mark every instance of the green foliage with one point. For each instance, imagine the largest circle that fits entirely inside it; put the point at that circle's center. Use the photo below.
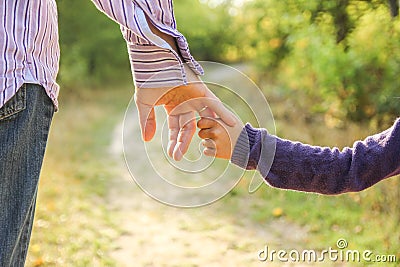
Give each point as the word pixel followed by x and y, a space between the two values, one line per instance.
pixel 94 52
pixel 343 55
pixel 207 28
pixel 92 48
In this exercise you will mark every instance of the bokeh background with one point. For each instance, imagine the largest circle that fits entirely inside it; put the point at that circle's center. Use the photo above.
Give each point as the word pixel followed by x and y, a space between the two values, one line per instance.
pixel 329 69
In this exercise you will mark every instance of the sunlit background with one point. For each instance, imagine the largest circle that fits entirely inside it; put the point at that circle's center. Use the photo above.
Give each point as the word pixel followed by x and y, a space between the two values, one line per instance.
pixel 330 71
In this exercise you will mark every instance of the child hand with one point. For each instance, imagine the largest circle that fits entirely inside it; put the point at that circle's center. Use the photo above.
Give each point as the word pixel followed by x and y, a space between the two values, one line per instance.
pixel 219 138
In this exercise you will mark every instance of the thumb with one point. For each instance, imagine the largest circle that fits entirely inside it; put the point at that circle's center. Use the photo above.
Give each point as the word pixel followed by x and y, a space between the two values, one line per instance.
pixel 147 121
pixel 220 110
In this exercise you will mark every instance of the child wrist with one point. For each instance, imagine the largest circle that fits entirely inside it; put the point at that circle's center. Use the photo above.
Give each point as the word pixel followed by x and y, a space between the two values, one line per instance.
pixel 242 148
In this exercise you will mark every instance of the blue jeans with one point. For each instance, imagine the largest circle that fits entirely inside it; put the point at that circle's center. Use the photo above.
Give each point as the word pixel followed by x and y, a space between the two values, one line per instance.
pixel 24 127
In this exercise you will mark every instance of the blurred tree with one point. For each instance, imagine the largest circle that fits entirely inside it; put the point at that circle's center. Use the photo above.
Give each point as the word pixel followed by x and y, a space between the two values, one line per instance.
pixel 94 52
pixel 207 27
pixel 344 55
pixel 394 7
pixel 92 47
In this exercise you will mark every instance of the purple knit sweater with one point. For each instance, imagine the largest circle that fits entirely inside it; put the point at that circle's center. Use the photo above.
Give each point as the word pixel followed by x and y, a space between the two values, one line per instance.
pixel 322 170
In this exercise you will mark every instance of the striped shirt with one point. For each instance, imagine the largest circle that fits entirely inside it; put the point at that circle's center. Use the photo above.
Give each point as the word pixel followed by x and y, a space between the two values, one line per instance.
pixel 30 49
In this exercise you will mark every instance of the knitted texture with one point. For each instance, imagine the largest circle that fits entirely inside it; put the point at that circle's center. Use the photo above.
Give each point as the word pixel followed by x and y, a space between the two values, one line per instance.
pixel 322 170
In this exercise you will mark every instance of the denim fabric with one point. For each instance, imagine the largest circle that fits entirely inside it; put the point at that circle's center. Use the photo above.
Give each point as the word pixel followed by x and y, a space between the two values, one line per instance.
pixel 24 125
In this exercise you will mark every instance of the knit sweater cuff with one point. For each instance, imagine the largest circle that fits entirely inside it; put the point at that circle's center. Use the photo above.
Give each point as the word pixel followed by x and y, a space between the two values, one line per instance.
pixel 245 142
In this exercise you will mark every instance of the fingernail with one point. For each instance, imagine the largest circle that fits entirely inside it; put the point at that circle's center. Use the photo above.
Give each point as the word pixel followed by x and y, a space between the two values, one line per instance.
pixel 177 155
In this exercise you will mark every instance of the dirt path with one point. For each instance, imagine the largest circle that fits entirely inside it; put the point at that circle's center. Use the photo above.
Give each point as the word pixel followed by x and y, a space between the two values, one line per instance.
pixel 153 234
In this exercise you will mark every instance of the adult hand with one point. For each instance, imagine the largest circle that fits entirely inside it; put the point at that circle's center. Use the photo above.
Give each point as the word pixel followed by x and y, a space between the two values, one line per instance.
pixel 181 103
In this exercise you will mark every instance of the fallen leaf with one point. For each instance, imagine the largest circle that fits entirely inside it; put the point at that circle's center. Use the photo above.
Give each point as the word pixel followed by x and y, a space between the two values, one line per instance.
pixel 277 212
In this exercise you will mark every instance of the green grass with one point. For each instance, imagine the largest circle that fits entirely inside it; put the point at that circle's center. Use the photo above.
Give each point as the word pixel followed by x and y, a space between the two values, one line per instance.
pixel 73 226
pixel 367 220
pixel 359 218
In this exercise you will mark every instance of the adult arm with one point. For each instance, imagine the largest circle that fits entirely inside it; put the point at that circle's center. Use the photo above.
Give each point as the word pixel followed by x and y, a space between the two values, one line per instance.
pixel 165 72
pixel 323 170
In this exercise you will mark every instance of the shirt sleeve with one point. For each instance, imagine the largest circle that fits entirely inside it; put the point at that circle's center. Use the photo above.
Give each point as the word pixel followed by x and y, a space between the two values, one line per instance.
pixel 323 170
pixel 154 63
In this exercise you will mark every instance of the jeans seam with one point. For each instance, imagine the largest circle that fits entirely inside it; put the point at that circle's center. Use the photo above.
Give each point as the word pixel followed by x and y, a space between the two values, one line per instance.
pixel 24 236
pixel 19 256
pixel 14 105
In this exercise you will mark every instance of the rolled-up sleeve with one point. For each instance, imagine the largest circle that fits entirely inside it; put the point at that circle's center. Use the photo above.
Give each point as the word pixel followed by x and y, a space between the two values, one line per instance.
pixel 154 63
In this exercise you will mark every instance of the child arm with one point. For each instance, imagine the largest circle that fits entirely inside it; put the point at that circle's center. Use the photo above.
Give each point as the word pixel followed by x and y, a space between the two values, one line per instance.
pixel 323 170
